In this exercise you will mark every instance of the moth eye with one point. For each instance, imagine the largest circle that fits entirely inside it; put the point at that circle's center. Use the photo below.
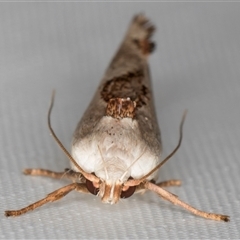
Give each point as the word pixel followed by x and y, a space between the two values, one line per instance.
pixel 128 193
pixel 91 188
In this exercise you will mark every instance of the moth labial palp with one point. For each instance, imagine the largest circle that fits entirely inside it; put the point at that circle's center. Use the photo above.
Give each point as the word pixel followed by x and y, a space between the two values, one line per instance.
pixel 116 146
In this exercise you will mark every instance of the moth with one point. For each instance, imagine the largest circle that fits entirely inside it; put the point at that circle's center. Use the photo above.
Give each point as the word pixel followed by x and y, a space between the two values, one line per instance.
pixel 116 147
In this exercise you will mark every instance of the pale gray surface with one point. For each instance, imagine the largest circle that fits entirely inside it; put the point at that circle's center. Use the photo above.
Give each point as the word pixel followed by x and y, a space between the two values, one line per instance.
pixel 67 46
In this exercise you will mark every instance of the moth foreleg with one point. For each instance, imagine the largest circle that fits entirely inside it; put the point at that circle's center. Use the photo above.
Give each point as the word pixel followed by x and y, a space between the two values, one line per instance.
pixel 175 200
pixel 67 174
pixel 169 183
pixel 51 197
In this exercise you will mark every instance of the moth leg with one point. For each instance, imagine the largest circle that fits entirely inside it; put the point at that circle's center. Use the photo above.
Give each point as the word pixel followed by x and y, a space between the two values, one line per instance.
pixel 175 200
pixel 82 188
pixel 51 197
pixel 67 174
pixel 169 183
pixel 140 188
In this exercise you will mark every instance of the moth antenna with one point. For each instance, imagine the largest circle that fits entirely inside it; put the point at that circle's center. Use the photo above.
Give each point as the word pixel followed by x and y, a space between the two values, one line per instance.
pixel 121 178
pixel 105 169
pixel 89 176
pixel 134 182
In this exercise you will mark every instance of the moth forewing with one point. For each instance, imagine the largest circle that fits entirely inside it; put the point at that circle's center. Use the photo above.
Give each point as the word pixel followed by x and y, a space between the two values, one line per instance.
pixel 116 146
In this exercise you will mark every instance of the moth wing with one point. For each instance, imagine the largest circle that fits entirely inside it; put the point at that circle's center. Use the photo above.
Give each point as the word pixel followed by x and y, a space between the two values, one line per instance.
pixel 127 77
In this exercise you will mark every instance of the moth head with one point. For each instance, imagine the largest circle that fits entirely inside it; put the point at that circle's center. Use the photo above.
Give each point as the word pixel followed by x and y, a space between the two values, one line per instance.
pixel 110 192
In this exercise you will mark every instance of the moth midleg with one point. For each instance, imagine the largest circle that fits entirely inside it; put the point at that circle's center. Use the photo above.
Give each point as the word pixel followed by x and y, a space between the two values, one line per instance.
pixel 67 174
pixel 175 200
pixel 51 197
pixel 169 183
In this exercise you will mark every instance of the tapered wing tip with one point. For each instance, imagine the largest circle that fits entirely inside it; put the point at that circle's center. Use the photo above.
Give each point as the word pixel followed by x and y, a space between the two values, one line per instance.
pixel 144 22
pixel 140 18
pixel 140 32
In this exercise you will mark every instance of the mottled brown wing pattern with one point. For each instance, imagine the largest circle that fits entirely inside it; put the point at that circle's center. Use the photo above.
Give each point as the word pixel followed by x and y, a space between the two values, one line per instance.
pixel 125 90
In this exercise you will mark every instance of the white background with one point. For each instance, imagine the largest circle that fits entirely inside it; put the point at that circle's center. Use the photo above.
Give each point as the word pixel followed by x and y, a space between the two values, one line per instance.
pixel 67 47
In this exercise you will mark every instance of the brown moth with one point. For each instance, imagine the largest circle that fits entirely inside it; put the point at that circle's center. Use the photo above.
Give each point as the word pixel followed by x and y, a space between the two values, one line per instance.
pixel 116 146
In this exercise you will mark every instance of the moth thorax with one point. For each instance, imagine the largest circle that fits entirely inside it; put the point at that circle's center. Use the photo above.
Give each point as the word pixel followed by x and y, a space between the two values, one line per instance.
pixel 121 108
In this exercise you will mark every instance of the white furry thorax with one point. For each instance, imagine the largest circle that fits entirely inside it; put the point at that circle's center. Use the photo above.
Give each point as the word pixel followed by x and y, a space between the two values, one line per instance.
pixel 115 151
